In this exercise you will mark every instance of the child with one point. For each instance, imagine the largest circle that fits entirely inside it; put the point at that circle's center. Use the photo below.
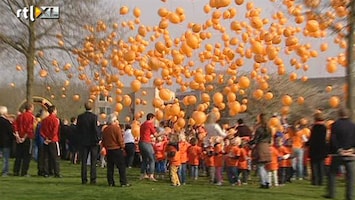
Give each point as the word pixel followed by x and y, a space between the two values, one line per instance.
pixel 103 153
pixel 160 159
pixel 233 154
pixel 218 157
pixel 287 160
pixel 273 166
pixel 244 162
pixel 173 155
pixel 193 154
pixel 183 146
pixel 209 162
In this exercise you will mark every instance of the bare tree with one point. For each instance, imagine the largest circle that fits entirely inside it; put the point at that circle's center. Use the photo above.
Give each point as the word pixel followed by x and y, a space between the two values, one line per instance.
pixel 41 42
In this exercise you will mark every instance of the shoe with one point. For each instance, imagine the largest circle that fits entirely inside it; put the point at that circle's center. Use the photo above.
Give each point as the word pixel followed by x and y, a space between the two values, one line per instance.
pixel 111 185
pixel 16 174
pixel 153 179
pixel 45 175
pixel 26 175
pixel 4 175
pixel 219 184
pixel 126 185
pixel 58 176
pixel 143 176
pixel 327 197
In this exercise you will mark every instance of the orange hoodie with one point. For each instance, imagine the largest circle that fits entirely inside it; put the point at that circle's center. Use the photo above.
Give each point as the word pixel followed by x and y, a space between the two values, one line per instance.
pixel 232 157
pixel 183 146
pixel 194 155
pixel 218 155
pixel 175 159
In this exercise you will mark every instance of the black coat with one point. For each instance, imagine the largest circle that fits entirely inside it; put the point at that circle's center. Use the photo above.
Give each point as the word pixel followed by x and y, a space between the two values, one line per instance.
pixel 87 129
pixel 318 148
pixel 6 133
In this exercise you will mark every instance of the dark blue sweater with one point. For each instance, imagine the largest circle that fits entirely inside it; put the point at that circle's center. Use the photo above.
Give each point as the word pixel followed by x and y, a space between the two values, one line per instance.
pixel 342 135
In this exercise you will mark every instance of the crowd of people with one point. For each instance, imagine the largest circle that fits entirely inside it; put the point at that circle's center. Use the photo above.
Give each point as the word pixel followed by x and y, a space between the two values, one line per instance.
pixel 278 152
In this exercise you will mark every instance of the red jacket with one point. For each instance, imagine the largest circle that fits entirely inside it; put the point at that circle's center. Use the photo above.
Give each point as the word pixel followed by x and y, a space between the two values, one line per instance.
pixel 24 124
pixel 50 128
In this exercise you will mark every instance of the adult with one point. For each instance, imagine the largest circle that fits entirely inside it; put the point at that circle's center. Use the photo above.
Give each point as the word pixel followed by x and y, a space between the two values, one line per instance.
pixel 299 138
pixel 213 129
pixel 317 148
pixel 73 141
pixel 24 132
pixel 6 138
pixel 242 129
pixel 261 152
pixel 112 140
pixel 147 130
pixel 130 147
pixel 88 142
pixel 51 150
pixel 342 144
pixel 40 144
pixel 64 132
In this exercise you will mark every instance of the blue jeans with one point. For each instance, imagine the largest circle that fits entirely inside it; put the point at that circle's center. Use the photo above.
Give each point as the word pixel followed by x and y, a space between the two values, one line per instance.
pixel 182 173
pixel 232 174
pixel 297 162
pixel 148 160
pixel 264 178
pixel 6 156
pixel 194 171
pixel 160 167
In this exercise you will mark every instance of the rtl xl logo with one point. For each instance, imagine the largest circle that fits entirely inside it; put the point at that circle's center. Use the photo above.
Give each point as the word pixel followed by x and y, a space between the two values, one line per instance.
pixel 41 12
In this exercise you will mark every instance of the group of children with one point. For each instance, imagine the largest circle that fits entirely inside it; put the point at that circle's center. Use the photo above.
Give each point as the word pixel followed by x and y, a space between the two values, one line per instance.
pixel 231 156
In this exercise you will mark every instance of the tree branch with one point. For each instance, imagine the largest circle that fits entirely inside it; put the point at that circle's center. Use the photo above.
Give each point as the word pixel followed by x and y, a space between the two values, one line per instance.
pixel 19 47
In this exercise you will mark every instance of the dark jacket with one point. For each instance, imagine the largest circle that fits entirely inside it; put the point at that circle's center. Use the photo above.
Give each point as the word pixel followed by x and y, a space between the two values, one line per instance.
pixel 342 135
pixel 6 133
pixel 317 142
pixel 243 131
pixel 87 129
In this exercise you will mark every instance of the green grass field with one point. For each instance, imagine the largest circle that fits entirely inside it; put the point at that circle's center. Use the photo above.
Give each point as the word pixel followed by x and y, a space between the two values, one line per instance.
pixel 70 187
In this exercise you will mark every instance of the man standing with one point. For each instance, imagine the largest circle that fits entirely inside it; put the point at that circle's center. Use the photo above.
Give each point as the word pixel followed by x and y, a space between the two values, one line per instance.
pixel 342 144
pixel 147 129
pixel 112 140
pixel 88 141
pixel 6 138
pixel 50 133
pixel 24 132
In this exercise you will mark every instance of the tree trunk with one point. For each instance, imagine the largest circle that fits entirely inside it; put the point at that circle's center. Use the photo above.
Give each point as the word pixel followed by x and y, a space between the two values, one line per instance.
pixel 30 61
pixel 350 70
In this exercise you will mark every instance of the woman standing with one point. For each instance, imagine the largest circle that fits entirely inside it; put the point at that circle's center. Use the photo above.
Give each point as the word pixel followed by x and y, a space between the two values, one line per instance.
pixel 261 153
pixel 318 148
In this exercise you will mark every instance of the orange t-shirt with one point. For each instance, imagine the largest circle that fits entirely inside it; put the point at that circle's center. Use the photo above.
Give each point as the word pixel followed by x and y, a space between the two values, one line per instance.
pixel 283 150
pixel 328 161
pixel 243 159
pixel 232 158
pixel 159 150
pixel 174 160
pixel 183 151
pixel 218 155
pixel 274 164
pixel 194 155
pixel 297 140
pixel 208 157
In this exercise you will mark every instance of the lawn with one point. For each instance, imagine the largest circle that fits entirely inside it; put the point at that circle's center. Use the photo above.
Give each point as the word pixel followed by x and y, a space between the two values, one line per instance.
pixel 70 187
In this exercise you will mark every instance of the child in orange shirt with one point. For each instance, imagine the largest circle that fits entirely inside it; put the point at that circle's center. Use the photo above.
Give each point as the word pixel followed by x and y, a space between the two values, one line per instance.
pixel 193 154
pixel 183 146
pixel 273 166
pixel 160 158
pixel 232 158
pixel 244 162
pixel 209 162
pixel 219 160
pixel 173 155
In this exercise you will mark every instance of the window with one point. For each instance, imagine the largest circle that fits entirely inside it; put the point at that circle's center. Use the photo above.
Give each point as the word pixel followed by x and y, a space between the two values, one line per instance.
pixel 102 98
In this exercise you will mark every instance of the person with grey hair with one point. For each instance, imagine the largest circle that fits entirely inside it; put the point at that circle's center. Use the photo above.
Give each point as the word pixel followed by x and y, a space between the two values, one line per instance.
pixel 112 140
pixel 342 145
pixel 6 138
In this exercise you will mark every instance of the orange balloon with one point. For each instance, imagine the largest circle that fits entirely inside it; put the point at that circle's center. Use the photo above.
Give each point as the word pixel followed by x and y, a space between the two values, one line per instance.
pixel 199 117
pixel 136 85
pixel 286 100
pixel 334 101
